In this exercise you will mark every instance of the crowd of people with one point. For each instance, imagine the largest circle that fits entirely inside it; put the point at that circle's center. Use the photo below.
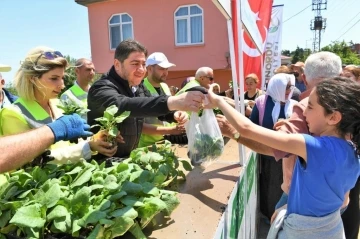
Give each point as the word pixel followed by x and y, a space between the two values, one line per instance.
pixel 305 126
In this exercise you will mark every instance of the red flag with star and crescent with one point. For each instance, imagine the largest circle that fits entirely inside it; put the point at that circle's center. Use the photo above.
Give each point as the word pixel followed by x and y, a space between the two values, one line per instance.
pixel 261 11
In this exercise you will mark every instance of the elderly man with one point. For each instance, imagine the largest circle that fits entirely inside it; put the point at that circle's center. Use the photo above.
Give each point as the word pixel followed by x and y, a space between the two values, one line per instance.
pixel 6 98
pixel 157 66
pixel 204 77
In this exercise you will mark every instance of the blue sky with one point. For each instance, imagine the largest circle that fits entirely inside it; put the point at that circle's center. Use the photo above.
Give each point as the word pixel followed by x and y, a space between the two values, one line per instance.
pixel 63 25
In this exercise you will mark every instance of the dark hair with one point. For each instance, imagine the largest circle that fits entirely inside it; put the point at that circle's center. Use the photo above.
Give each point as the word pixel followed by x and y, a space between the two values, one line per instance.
pixel 125 48
pixel 342 94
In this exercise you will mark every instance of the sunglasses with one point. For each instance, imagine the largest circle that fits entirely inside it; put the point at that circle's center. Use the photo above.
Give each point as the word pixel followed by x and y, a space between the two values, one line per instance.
pixel 49 55
pixel 289 87
pixel 210 77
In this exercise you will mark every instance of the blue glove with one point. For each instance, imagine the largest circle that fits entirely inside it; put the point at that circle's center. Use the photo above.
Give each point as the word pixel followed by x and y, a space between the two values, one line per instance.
pixel 69 127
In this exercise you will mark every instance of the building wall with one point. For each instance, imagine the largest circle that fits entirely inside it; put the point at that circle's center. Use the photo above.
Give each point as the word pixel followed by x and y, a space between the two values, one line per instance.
pixel 153 26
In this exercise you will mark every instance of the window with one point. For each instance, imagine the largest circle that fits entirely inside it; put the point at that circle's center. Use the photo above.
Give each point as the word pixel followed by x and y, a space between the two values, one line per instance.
pixel 189 25
pixel 120 28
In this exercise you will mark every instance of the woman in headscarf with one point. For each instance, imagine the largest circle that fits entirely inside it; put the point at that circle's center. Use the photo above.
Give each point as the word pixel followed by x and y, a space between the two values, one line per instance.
pixel 275 105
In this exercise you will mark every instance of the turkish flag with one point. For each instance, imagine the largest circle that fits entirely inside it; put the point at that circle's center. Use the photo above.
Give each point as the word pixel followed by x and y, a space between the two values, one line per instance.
pixel 261 12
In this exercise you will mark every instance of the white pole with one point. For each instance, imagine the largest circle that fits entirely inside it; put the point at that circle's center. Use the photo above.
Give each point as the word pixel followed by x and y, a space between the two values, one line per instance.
pixel 262 74
pixel 242 106
pixel 233 64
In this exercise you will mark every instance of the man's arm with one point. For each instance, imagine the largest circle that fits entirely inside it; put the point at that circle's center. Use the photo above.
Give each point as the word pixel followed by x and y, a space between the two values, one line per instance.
pixel 102 96
pixel 17 150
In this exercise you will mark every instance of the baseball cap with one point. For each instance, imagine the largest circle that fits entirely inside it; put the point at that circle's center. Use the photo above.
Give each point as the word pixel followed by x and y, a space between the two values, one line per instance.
pixel 4 68
pixel 158 58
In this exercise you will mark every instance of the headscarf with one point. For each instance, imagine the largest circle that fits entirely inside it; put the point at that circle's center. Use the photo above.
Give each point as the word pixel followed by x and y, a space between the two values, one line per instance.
pixel 277 89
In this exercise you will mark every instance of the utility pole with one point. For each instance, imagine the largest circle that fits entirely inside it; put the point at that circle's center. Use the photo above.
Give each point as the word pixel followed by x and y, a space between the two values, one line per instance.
pixel 318 24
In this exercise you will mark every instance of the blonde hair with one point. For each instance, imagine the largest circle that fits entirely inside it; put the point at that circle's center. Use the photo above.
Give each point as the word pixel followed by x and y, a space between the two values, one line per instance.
pixel 282 69
pixel 253 77
pixel 34 66
pixel 216 85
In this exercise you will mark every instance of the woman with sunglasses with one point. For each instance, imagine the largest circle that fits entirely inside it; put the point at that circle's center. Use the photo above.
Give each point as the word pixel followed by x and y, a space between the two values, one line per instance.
pixel 270 108
pixel 39 82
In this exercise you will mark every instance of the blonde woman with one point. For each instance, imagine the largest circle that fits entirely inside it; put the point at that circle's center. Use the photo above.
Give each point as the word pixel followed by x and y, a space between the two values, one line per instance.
pixel 38 82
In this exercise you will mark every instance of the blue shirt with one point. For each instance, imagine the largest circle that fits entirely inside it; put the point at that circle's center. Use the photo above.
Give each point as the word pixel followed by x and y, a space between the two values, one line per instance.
pixel 318 186
pixel 300 85
pixel 267 120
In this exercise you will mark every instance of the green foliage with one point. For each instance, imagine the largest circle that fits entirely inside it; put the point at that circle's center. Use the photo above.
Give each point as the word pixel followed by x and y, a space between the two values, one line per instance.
pixel 109 122
pixel 206 148
pixel 300 54
pixel 343 50
pixel 70 107
pixel 285 53
pixel 88 199
pixel 11 88
pixel 70 76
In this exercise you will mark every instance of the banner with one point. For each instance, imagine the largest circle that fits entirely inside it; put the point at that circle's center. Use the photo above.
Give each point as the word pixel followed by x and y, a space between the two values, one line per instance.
pixel 260 10
pixel 272 53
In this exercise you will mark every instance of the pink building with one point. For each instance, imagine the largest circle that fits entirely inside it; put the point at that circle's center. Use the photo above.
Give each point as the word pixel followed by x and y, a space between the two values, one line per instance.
pixel 191 34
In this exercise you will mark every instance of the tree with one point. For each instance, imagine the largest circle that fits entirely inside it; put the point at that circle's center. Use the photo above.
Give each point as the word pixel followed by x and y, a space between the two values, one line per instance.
pixel 343 50
pixel 285 53
pixel 11 88
pixel 70 76
pixel 300 54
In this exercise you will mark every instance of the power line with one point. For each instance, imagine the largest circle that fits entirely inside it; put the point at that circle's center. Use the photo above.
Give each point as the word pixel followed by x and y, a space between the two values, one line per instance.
pixel 351 20
pixel 348 30
pixel 297 13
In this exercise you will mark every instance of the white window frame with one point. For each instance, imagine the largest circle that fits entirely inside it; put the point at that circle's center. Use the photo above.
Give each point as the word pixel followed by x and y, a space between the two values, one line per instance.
pixel 120 25
pixel 187 17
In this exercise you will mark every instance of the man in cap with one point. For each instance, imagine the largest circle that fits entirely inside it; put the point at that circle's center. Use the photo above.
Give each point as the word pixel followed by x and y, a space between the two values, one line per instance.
pixel 157 66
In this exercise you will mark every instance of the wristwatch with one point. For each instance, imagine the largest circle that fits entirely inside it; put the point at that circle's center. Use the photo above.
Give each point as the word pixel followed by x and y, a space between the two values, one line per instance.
pixel 236 136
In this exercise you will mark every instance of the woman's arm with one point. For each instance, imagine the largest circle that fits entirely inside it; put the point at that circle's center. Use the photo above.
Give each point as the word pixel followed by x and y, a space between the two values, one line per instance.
pixel 292 143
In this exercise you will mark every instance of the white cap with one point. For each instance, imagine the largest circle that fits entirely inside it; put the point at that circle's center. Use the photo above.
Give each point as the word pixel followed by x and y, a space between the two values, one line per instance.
pixel 5 68
pixel 158 58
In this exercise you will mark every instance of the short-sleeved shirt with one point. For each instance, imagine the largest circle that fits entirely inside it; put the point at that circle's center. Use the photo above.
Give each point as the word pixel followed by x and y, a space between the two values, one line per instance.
pixel 319 185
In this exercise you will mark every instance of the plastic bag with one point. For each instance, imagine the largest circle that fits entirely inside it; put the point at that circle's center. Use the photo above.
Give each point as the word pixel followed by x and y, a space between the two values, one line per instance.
pixel 205 141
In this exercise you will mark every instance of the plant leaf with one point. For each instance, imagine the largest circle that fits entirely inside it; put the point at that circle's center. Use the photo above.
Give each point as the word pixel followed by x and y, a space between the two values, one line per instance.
pixel 121 225
pixel 29 216
pixel 81 202
pixel 122 116
pixel 125 212
pixel 186 165
pixel 49 198
pixel 82 178
pixel 58 212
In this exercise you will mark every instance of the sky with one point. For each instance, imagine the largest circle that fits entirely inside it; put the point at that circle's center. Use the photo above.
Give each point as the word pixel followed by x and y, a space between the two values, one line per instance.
pixel 63 26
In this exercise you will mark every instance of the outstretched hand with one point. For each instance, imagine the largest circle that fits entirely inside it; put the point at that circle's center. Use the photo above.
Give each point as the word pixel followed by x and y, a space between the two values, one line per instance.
pixel 212 99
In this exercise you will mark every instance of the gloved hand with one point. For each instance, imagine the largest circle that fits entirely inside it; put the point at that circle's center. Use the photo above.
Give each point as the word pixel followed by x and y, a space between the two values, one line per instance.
pixel 69 127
